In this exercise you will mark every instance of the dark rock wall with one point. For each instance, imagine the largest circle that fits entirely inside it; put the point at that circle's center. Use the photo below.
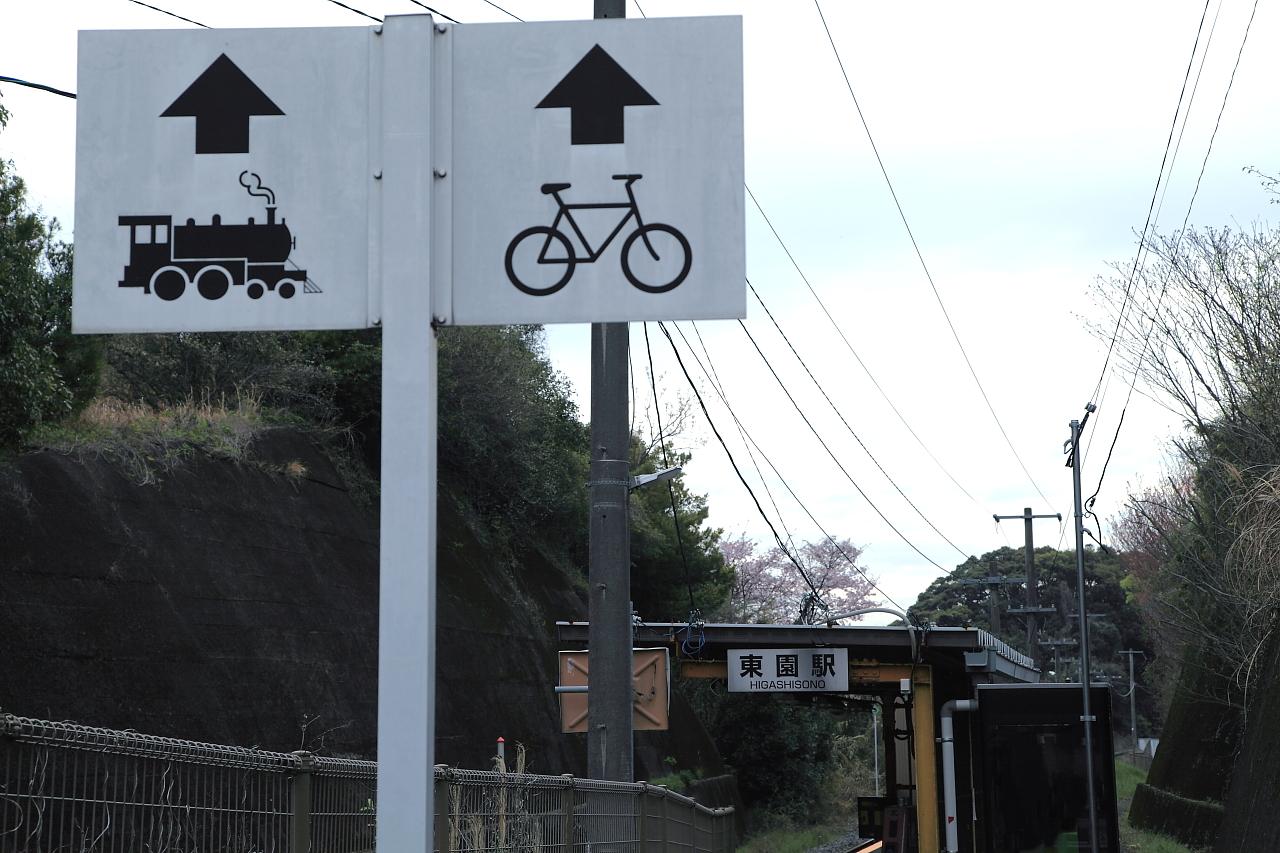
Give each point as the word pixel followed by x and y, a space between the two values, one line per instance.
pixel 230 600
pixel 223 603
pixel 496 656
pixel 1252 819
pixel 1194 762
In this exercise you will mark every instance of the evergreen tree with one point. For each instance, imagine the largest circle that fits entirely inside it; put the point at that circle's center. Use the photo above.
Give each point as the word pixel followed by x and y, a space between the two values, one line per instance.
pixel 45 374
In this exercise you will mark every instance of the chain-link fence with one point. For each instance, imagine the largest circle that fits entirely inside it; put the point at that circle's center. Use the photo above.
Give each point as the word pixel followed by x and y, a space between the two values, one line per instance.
pixel 479 812
pixel 66 788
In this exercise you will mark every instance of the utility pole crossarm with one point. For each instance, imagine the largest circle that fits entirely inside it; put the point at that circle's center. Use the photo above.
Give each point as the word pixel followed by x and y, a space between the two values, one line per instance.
pixel 1032 599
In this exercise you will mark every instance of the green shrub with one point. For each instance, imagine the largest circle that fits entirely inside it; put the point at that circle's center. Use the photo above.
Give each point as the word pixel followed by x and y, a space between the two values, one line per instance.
pixel 45 373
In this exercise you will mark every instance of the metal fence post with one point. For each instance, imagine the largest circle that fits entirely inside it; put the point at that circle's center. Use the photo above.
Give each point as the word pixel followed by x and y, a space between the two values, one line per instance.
pixel 566 831
pixel 300 804
pixel 666 822
pixel 441 801
pixel 641 823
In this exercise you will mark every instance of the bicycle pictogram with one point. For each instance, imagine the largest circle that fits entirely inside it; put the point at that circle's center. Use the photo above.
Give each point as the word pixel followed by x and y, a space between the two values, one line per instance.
pixel 541 260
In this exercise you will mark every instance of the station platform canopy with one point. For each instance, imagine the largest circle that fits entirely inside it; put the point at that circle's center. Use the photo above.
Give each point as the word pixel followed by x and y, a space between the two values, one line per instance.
pixel 984 657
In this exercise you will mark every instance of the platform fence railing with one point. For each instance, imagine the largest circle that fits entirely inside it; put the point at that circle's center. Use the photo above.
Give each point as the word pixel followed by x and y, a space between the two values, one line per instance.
pixel 67 788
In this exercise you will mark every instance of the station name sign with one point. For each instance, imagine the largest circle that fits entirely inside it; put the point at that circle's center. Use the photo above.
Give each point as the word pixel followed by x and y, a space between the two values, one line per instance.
pixel 788 670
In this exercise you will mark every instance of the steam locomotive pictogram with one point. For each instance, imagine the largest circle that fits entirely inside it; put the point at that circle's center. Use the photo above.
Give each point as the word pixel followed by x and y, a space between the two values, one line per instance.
pixel 164 259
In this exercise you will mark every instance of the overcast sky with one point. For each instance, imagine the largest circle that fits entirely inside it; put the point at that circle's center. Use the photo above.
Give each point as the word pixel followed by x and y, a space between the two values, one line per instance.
pixel 1024 142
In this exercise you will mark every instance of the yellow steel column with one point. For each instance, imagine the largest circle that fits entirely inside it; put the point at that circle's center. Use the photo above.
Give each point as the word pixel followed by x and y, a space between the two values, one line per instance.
pixel 927 827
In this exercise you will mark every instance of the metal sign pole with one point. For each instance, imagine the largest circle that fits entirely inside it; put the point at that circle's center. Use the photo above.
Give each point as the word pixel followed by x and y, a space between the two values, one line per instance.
pixel 609 736
pixel 407 556
pixel 1087 716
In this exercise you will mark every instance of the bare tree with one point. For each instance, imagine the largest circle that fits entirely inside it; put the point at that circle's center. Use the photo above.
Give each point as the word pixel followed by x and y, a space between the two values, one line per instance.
pixel 1199 323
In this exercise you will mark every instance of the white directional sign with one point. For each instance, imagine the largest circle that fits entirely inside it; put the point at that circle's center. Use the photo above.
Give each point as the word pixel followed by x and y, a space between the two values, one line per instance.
pixel 596 172
pixel 222 180
pixel 409 175
pixel 788 670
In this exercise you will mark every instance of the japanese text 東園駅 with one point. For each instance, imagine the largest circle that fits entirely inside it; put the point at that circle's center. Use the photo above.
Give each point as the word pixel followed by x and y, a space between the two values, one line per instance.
pixel 788 670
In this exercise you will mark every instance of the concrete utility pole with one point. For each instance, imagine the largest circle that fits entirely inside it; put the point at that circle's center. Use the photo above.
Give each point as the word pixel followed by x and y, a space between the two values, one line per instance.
pixel 609 636
pixel 1087 717
pixel 1133 698
pixel 1032 606
pixel 993 582
pixel 1058 646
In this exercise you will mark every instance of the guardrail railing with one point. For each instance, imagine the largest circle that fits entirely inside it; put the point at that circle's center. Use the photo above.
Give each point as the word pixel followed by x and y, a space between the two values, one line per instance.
pixel 67 787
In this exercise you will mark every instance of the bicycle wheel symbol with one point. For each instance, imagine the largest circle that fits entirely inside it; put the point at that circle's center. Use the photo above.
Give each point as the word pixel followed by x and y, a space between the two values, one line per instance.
pixel 544 258
pixel 656 258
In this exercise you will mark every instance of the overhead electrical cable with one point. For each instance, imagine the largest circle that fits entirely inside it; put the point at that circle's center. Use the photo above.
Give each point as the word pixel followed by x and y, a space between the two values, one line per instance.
pixel 776 538
pixel 170 14
pixel 67 94
pixel 849 346
pixel 718 386
pixel 1142 245
pixel 1146 342
pixel 42 87
pixel 920 256
pixel 1155 191
pixel 830 453
pixel 724 400
pixel 504 11
pixel 435 11
pixel 848 427
pixel 632 400
pixel 666 463
pixel 357 11
pixel 1140 257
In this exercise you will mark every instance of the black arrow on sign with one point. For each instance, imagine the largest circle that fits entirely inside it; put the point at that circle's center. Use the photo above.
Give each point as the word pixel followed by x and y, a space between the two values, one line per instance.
pixel 221 100
pixel 596 90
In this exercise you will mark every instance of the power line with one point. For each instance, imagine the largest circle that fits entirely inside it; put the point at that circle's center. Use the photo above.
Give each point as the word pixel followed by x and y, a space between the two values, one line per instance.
pixel 505 12
pixel 718 386
pixel 631 376
pixel 357 11
pixel 736 469
pixel 1140 257
pixel 666 463
pixel 849 346
pixel 1160 176
pixel 1142 252
pixel 825 447
pixel 847 426
pixel 39 86
pixel 920 256
pixel 752 442
pixel 724 400
pixel 1146 342
pixel 170 14
pixel 436 11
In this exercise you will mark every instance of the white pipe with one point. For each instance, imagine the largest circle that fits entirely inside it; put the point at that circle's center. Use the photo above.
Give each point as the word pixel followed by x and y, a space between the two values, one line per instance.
pixel 892 611
pixel 949 769
pixel 875 743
